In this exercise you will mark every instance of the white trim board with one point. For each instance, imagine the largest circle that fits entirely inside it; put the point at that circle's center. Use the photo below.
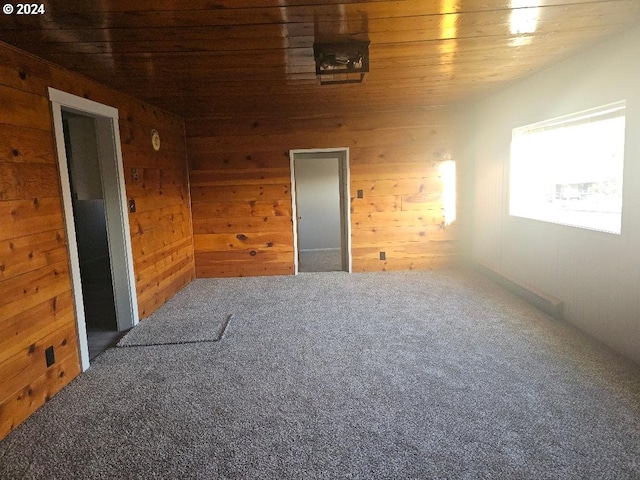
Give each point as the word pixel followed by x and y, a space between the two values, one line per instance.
pixel 117 217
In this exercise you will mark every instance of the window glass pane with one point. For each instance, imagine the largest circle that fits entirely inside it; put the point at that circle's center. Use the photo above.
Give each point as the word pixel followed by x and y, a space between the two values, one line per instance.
pixel 569 170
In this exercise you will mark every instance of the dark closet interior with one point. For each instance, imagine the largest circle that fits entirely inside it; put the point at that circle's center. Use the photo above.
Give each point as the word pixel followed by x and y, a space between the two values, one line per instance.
pixel 91 231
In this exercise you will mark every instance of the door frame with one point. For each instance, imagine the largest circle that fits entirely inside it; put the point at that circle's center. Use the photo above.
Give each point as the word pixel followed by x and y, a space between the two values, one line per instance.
pixel 342 154
pixel 116 211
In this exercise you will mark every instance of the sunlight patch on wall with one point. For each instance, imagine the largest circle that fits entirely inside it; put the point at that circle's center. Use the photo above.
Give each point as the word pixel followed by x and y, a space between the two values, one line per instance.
pixel 449 191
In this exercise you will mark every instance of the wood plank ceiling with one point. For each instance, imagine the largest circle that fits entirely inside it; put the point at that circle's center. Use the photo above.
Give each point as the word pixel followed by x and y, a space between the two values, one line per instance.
pixel 207 58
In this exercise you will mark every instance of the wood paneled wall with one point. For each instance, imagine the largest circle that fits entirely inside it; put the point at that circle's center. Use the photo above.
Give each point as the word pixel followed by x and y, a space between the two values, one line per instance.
pixel 36 305
pixel 241 189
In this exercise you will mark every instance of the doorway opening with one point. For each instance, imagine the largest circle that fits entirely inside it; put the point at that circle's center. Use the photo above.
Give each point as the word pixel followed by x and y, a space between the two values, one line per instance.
pixel 87 201
pixel 321 215
pixel 96 219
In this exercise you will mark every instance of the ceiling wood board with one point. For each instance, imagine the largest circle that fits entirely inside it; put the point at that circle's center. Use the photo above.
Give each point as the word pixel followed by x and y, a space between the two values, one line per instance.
pixel 202 58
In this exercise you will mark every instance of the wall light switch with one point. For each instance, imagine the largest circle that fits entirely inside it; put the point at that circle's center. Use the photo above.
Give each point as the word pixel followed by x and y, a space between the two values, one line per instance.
pixel 132 206
pixel 360 194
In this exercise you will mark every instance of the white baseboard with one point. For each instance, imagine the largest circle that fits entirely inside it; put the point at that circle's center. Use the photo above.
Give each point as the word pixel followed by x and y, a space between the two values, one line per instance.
pixel 541 300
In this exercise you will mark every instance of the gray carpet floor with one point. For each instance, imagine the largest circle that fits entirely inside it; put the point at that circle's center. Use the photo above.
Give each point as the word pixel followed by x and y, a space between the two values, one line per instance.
pixel 330 375
pixel 320 261
pixel 189 317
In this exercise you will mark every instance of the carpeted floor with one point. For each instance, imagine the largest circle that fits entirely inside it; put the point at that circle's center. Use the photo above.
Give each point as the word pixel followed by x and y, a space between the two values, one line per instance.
pixel 329 375
pixel 185 318
pixel 320 261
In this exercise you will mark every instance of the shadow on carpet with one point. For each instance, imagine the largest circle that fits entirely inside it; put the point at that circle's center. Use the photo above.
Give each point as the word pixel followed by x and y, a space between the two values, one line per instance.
pixel 176 331
pixel 180 321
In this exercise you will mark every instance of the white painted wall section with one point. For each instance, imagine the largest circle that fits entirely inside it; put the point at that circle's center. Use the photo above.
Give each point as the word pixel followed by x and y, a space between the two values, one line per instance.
pixel 595 274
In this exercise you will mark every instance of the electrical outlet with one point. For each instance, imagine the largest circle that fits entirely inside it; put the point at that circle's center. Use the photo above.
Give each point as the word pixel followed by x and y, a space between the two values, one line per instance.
pixel 360 194
pixel 134 173
pixel 383 255
pixel 50 356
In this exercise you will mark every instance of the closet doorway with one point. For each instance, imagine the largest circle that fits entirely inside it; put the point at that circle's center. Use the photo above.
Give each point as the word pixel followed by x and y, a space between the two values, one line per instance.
pixel 96 216
pixel 321 216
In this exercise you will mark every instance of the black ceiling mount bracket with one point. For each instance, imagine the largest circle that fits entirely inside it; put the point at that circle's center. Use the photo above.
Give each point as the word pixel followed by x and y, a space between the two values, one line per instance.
pixel 341 62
